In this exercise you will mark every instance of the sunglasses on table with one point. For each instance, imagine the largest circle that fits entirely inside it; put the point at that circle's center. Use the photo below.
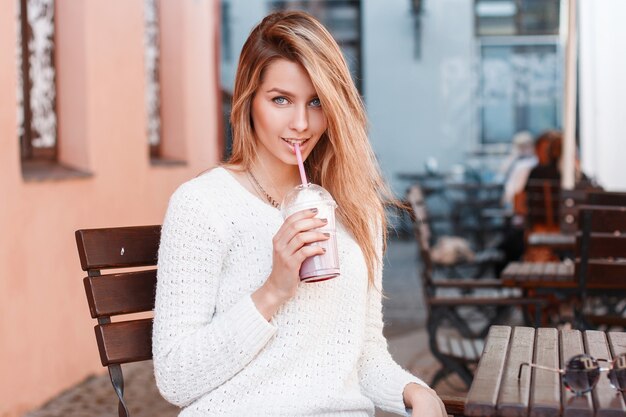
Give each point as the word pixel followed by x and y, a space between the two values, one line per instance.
pixel 582 372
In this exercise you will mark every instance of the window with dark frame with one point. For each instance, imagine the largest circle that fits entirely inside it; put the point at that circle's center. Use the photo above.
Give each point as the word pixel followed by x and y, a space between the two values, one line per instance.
pixel 520 71
pixel 37 120
pixel 343 20
pixel 153 82
pixel 516 17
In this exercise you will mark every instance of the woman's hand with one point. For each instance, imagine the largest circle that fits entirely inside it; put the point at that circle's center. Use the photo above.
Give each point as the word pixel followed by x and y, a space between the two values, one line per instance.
pixel 424 401
pixel 290 250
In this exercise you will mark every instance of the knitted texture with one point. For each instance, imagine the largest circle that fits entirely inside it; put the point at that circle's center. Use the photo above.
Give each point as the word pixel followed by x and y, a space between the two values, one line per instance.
pixel 322 354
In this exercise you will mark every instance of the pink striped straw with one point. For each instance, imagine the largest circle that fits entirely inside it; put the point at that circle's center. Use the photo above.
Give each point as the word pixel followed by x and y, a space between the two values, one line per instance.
pixel 301 165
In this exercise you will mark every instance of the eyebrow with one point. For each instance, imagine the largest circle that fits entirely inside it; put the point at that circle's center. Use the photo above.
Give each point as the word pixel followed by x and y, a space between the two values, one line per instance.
pixel 286 93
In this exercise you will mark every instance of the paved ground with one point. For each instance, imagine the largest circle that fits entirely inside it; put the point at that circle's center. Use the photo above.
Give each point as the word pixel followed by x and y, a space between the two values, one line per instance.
pixel 408 343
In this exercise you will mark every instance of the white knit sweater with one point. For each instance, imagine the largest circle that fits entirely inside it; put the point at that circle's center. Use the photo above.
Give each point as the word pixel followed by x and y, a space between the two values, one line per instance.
pixel 323 352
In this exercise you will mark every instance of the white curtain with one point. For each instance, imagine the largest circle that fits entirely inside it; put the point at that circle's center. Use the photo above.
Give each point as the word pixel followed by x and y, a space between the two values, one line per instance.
pixel 602 38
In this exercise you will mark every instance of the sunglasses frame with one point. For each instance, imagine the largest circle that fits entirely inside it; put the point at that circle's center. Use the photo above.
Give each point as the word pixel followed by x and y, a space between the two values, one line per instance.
pixel 563 371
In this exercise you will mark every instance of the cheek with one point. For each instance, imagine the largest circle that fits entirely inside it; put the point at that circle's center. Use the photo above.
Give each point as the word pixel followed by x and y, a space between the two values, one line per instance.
pixel 260 118
pixel 319 121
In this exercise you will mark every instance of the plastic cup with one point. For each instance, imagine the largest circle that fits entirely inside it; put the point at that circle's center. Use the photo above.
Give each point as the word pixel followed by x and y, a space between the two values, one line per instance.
pixel 319 267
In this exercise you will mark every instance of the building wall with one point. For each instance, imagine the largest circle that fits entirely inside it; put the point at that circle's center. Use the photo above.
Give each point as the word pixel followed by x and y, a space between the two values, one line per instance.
pixel 603 91
pixel 47 342
pixel 419 107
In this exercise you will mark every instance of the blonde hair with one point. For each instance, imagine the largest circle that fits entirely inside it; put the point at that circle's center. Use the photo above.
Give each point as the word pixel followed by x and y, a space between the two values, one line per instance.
pixel 342 161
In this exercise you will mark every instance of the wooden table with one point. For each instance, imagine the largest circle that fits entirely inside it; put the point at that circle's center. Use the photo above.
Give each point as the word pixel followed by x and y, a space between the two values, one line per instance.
pixel 496 391
pixel 534 275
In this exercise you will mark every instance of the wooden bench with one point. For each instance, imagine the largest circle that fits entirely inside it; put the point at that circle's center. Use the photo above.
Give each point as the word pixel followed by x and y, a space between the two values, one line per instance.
pixel 120 293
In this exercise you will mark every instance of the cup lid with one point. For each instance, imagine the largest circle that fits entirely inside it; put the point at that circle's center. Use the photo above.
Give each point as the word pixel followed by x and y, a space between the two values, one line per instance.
pixel 304 196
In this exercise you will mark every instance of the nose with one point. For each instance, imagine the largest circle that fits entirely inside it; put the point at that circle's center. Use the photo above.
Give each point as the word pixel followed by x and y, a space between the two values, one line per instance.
pixel 300 119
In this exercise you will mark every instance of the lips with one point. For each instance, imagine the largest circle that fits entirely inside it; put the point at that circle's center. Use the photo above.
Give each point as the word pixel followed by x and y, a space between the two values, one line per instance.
pixel 292 141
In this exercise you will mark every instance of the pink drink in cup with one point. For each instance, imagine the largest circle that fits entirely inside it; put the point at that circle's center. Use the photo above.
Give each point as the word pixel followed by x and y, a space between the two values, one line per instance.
pixel 306 196
pixel 319 267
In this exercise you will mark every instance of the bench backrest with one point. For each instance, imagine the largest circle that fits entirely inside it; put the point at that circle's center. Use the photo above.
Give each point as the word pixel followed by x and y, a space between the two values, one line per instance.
pixel 606 198
pixel 421 228
pixel 118 293
pixel 600 250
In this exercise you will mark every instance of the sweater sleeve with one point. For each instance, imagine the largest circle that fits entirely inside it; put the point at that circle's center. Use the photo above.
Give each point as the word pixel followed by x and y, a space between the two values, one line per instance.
pixel 194 349
pixel 381 378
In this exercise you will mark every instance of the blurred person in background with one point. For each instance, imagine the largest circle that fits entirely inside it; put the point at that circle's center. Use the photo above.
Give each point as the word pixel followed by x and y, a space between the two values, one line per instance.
pixel 544 163
pixel 517 165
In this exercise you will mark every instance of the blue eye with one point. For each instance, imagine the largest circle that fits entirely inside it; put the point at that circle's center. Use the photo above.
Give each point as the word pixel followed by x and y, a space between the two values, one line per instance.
pixel 279 100
pixel 316 103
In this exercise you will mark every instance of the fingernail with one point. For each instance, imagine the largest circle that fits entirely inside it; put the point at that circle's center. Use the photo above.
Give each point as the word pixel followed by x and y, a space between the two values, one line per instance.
pixel 326 234
pixel 324 220
pixel 324 250
pixel 314 210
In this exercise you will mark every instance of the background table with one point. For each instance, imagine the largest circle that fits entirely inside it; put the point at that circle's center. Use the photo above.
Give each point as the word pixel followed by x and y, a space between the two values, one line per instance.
pixel 496 391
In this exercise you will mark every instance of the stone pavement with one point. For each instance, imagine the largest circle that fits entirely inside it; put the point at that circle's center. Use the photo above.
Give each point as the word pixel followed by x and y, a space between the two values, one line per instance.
pixel 404 314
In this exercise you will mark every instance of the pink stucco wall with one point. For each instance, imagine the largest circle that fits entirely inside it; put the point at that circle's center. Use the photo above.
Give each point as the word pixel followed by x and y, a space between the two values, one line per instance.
pixel 47 342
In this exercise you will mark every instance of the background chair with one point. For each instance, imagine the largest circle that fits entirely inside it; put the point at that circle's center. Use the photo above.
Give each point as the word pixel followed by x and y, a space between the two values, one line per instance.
pixel 601 267
pixel 460 311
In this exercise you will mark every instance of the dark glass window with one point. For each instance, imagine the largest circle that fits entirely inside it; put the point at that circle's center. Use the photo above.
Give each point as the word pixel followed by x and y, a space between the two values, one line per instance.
pixel 520 86
pixel 516 17
pixel 152 53
pixel 342 18
pixel 37 119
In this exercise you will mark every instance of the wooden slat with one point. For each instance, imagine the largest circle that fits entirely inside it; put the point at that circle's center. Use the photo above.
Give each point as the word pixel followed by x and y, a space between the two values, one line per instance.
pixel 565 272
pixel 604 245
pixel 617 342
pixel 511 270
pixel 545 399
pixel 515 393
pixel 607 404
pixel 524 271
pixel 605 219
pixel 455 406
pixel 467 283
pixel 573 405
pixel 536 271
pixel 119 247
pixel 125 293
pixel 479 301
pixel 482 396
pixel 468 350
pixel 479 345
pixel 443 345
pixel 549 272
pixel 123 342
pixel 605 274
pixel 455 347
pixel 553 239
pixel 606 198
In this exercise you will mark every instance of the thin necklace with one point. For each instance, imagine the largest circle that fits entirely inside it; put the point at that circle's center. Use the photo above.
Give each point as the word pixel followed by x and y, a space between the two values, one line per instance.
pixel 270 199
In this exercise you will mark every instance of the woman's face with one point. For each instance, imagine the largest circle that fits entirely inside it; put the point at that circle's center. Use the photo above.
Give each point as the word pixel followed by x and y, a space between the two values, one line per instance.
pixel 286 110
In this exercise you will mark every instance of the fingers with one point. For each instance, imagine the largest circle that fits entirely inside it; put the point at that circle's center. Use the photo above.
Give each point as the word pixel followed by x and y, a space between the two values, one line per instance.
pixel 304 238
pixel 301 221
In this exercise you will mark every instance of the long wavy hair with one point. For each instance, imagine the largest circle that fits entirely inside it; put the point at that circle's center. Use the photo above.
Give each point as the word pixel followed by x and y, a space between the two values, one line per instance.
pixel 342 161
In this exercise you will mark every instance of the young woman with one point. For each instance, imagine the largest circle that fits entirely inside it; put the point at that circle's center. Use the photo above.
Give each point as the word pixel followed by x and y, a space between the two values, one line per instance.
pixel 235 331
